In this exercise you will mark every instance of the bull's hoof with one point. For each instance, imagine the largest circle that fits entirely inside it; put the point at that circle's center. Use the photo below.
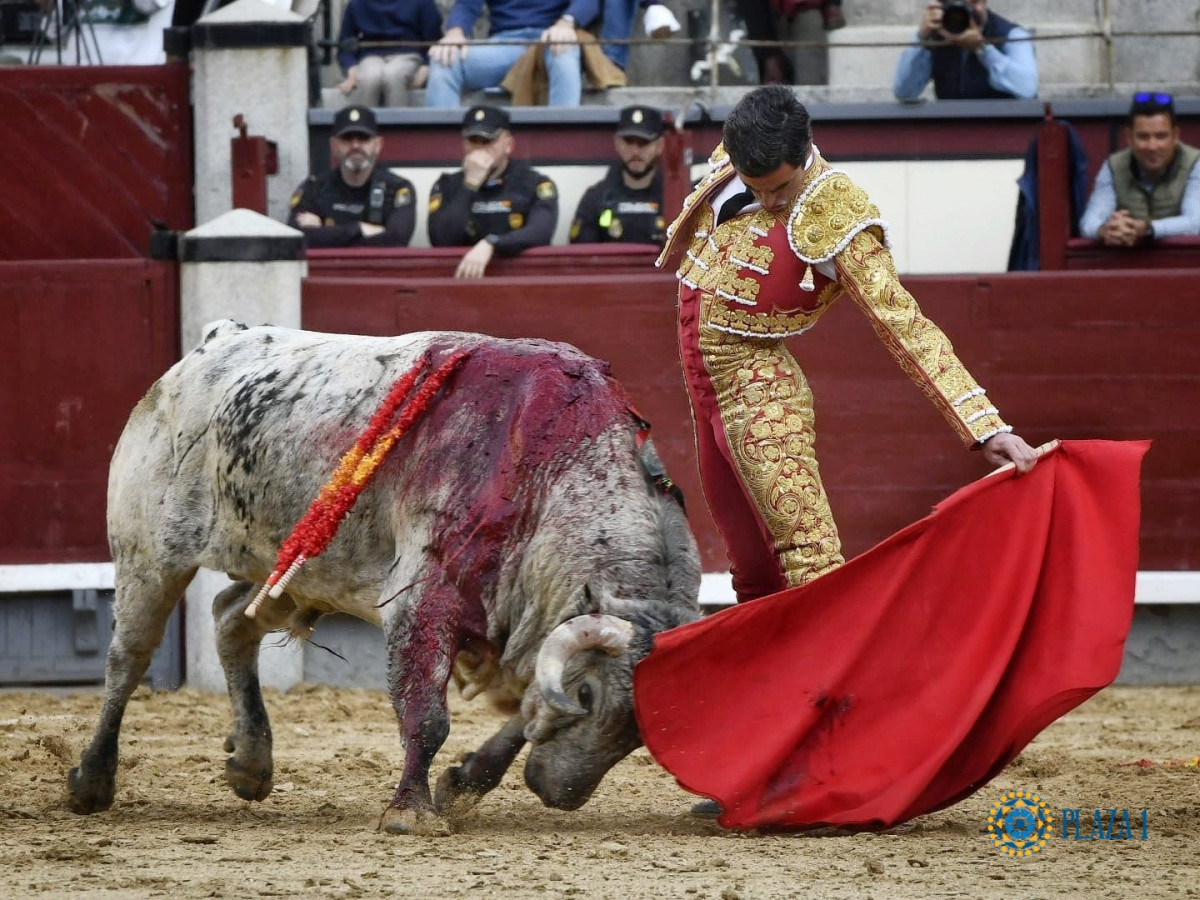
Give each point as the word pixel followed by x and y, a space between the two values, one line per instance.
pixel 453 798
pixel 88 795
pixel 413 821
pixel 248 782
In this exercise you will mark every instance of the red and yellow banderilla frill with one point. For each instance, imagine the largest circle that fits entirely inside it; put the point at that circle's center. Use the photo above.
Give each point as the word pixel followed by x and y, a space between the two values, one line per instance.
pixel 318 527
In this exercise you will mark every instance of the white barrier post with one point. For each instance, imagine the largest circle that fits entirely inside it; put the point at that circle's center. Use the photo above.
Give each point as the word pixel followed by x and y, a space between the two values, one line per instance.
pixel 247 267
pixel 251 57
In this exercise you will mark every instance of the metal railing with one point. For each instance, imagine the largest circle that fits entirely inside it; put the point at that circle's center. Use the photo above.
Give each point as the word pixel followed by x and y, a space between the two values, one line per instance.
pixel 716 48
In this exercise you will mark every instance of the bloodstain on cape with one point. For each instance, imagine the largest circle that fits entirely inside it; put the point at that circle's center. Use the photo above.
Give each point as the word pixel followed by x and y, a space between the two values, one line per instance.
pixel 908 678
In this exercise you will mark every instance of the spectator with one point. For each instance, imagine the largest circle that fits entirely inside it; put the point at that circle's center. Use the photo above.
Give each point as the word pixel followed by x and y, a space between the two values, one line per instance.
pixel 1151 189
pixel 627 204
pixel 989 58
pixel 383 76
pixel 617 25
pixel 774 63
pixel 494 204
pixel 355 204
pixel 455 65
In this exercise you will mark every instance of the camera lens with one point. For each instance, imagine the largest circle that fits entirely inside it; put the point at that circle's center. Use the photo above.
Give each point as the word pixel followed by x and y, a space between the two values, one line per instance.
pixel 956 17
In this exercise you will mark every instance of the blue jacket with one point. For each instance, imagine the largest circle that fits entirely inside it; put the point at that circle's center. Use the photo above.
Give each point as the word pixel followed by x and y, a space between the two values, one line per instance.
pixel 387 20
pixel 508 15
pixel 1025 253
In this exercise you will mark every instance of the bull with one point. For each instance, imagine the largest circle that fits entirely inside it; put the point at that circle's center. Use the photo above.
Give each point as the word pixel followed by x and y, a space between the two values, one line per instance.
pixel 516 540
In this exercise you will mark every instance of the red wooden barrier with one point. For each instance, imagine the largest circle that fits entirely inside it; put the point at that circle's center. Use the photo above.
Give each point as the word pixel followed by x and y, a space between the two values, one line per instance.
pixel 1054 210
pixel 1168 253
pixel 82 341
pixel 92 158
pixel 1063 355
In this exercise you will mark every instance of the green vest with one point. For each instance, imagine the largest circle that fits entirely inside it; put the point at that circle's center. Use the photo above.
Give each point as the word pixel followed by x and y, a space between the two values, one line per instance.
pixel 1166 199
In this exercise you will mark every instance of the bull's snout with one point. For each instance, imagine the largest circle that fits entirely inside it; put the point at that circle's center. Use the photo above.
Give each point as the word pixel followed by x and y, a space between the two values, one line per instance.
pixel 553 789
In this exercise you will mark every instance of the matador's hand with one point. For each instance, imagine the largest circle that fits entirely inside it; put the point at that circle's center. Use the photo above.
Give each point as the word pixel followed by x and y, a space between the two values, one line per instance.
pixel 1010 448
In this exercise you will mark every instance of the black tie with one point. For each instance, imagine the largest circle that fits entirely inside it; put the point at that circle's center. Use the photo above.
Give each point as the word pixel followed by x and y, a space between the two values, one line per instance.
pixel 735 205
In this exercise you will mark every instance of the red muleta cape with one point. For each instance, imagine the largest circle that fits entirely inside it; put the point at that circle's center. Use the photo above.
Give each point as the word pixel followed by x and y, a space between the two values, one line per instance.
pixel 908 678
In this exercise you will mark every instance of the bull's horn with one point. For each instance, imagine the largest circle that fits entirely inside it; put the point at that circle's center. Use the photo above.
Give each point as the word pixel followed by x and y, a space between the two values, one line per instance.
pixel 594 631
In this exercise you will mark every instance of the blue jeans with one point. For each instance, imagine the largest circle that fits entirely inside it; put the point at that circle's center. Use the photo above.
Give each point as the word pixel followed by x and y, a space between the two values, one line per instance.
pixel 617 24
pixel 485 66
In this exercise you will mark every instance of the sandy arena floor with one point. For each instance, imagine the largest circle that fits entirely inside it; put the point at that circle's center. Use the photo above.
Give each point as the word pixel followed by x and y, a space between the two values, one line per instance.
pixel 176 830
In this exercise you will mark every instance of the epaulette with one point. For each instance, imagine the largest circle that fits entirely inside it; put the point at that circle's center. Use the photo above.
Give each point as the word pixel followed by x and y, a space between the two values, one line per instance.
pixel 827 216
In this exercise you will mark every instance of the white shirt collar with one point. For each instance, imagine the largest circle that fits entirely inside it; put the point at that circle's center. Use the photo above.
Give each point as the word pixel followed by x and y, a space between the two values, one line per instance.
pixel 736 186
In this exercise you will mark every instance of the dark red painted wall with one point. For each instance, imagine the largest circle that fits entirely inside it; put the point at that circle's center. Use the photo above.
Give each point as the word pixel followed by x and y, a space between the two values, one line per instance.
pixel 81 342
pixel 91 158
pixel 1072 355
pixel 1084 355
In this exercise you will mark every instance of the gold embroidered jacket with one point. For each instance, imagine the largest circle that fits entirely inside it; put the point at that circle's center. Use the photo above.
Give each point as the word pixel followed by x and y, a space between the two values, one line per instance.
pixel 757 273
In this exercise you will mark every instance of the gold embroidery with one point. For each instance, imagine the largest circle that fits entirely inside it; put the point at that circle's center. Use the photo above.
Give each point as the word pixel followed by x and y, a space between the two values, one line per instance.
pixel 681 231
pixel 711 272
pixel 767 413
pixel 758 324
pixel 834 210
pixel 921 348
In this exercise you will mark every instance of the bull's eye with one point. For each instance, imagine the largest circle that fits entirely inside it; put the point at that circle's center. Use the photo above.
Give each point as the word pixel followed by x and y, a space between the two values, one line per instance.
pixel 585 696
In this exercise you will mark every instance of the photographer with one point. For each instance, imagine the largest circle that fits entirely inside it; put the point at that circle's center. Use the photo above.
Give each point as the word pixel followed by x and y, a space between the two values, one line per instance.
pixel 1151 189
pixel 970 53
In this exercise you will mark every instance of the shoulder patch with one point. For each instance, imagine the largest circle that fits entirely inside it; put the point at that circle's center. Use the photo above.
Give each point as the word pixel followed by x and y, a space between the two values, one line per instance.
pixel 295 200
pixel 830 212
pixel 403 195
pixel 546 190
pixel 435 201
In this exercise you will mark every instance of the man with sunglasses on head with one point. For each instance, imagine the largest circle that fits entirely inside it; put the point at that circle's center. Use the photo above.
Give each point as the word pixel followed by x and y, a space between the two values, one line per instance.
pixel 1151 189
pixel 970 53
pixel 496 205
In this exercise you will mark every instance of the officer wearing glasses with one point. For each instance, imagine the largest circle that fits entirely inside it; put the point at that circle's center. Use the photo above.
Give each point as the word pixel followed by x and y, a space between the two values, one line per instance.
pixel 1151 189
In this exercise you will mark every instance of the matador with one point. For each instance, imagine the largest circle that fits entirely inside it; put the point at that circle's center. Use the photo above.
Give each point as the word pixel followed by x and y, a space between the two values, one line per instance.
pixel 804 236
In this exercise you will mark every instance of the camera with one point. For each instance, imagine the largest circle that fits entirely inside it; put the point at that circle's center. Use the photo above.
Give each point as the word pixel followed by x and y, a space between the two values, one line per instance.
pixel 957 16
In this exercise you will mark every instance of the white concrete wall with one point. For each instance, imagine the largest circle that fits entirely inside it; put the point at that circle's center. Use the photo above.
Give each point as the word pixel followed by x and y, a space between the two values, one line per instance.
pixel 946 216
pixel 267 85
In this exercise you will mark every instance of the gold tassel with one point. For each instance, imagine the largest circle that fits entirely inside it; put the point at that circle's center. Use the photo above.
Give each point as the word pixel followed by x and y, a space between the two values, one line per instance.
pixel 806 283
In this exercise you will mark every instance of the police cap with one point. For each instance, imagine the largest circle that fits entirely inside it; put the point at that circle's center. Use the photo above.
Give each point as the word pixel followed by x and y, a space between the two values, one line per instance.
pixel 354 120
pixel 643 122
pixel 484 121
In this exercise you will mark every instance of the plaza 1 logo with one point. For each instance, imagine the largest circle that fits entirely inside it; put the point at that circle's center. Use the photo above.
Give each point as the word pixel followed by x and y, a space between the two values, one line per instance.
pixel 1019 823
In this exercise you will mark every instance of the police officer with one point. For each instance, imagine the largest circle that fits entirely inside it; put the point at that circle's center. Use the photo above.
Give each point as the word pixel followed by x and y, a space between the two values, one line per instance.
pixel 496 205
pixel 356 204
pixel 627 204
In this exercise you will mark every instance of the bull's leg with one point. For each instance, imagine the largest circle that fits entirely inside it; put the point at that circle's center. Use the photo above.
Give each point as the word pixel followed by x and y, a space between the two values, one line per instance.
pixel 461 787
pixel 422 640
pixel 143 605
pixel 250 768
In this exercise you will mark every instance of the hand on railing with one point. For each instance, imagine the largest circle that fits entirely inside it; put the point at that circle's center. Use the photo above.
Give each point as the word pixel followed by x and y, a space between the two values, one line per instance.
pixel 451 48
pixel 559 35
